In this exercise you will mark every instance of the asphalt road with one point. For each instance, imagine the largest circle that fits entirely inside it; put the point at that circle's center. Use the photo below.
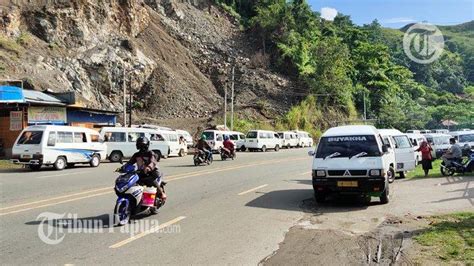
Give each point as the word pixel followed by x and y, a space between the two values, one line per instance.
pixel 232 212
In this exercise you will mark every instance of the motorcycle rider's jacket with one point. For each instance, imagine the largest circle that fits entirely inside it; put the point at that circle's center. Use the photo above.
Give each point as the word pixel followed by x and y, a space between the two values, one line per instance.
pixel 203 145
pixel 228 144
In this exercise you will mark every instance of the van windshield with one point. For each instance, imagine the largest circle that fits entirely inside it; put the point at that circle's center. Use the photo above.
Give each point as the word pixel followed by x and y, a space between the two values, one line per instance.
pixel 31 137
pixel 466 138
pixel 348 146
pixel 252 135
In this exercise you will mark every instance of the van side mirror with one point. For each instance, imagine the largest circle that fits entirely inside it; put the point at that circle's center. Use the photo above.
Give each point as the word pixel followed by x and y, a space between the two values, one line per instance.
pixel 311 153
pixel 385 148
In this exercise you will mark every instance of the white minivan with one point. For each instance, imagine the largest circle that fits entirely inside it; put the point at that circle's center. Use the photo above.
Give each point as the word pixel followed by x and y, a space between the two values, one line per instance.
pixel 120 142
pixel 215 139
pixel 172 137
pixel 238 138
pixel 262 140
pixel 59 146
pixel 352 160
pixel 439 143
pixel 289 139
pixel 464 137
pixel 304 139
pixel 401 146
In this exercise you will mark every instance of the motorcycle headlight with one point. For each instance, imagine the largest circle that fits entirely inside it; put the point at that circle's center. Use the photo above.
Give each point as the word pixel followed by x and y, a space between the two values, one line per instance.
pixel 375 172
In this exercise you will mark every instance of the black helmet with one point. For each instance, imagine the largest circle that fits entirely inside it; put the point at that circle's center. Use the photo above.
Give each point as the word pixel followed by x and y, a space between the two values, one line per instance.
pixel 142 144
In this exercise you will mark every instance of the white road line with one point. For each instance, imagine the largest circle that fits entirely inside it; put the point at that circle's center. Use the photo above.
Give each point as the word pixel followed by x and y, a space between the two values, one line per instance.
pixel 253 189
pixel 147 232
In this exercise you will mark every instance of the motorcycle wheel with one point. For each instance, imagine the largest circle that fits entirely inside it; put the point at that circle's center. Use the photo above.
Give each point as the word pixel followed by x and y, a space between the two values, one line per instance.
pixel 446 171
pixel 122 216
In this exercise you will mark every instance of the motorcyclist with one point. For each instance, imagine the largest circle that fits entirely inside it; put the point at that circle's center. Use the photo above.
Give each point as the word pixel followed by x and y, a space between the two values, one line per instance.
pixel 203 146
pixel 147 162
pixel 229 146
pixel 454 152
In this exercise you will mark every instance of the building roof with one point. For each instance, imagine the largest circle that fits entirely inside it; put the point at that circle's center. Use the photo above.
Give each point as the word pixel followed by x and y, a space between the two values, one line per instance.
pixel 12 94
pixel 31 96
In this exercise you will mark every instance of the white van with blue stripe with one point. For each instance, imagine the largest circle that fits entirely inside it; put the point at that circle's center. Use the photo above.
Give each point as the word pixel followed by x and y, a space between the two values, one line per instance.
pixel 59 146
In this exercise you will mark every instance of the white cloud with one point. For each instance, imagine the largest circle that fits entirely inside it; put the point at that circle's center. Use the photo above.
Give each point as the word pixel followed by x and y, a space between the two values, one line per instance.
pixel 398 20
pixel 328 13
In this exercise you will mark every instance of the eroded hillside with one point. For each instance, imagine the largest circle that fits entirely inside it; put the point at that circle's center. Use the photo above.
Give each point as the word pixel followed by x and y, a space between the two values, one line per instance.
pixel 176 56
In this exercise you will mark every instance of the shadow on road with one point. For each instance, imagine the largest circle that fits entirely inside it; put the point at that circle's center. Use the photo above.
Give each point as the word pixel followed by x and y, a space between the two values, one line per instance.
pixel 93 222
pixel 303 200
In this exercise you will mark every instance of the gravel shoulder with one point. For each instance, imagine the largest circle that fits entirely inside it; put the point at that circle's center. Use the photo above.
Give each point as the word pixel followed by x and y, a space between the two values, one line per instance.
pixel 347 231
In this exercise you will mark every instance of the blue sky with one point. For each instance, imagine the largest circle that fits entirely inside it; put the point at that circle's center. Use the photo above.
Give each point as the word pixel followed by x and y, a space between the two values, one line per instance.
pixel 397 13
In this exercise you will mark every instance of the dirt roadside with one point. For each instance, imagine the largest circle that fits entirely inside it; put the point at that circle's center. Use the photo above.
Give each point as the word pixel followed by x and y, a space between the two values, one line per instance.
pixel 347 231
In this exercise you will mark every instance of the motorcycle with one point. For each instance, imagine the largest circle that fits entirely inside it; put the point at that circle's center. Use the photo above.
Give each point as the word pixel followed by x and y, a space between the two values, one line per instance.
pixel 459 166
pixel 226 155
pixel 134 198
pixel 200 158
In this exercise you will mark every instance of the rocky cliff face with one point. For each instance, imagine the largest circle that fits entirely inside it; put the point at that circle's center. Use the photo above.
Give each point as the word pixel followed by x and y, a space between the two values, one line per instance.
pixel 176 57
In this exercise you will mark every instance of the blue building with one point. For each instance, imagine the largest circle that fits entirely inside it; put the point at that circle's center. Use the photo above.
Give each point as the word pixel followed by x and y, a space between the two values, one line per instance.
pixel 20 108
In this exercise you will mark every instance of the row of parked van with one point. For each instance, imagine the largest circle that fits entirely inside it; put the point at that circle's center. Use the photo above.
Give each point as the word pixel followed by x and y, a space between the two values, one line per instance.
pixel 440 141
pixel 261 140
pixel 63 146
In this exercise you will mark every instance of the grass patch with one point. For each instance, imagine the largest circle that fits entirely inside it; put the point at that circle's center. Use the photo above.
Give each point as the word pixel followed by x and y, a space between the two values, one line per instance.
pixel 450 238
pixel 10 45
pixel 419 173
pixel 6 164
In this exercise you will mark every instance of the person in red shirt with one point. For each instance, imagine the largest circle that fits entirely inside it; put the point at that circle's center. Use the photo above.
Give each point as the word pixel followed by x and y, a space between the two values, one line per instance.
pixel 229 146
pixel 426 158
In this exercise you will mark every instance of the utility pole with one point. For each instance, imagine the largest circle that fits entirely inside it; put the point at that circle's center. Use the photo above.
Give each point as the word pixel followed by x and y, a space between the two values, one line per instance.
pixel 232 102
pixel 130 106
pixel 365 109
pixel 124 89
pixel 225 107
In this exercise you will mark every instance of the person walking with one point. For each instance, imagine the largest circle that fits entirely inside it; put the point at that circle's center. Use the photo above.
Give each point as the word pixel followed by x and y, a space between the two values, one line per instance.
pixel 426 157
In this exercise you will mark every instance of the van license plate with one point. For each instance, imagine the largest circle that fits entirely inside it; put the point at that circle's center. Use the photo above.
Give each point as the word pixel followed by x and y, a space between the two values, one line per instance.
pixel 347 184
pixel 26 156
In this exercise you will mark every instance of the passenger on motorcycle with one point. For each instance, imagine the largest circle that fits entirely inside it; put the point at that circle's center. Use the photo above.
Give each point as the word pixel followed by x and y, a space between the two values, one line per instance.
pixel 146 162
pixel 454 153
pixel 203 146
pixel 229 146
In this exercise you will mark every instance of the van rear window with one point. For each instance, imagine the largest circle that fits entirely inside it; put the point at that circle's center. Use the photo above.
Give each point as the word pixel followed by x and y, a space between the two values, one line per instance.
pixel 348 146
pixel 209 135
pixel 31 137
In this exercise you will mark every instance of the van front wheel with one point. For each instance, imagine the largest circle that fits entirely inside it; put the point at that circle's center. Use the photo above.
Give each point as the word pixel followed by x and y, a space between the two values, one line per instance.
pixel 277 148
pixel 95 160
pixel 60 163
pixel 264 148
pixel 385 197
pixel 158 155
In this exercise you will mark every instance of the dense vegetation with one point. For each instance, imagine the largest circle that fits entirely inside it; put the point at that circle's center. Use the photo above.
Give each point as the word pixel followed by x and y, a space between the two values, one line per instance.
pixel 345 65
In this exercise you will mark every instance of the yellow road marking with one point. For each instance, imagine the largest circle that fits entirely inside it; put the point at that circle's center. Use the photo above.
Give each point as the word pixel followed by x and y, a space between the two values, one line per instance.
pixel 170 178
pixel 55 203
pixel 73 173
pixel 147 232
pixel 55 198
pixel 253 189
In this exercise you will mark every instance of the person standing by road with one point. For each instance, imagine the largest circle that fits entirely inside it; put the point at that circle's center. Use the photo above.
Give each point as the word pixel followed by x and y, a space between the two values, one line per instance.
pixel 426 158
